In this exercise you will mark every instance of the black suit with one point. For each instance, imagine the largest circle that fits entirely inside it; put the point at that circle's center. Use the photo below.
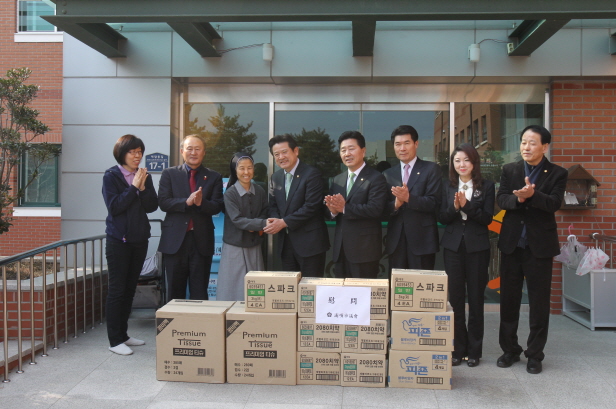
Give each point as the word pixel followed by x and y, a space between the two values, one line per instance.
pixel 412 233
pixel 534 262
pixel 188 254
pixel 302 245
pixel 357 242
pixel 466 250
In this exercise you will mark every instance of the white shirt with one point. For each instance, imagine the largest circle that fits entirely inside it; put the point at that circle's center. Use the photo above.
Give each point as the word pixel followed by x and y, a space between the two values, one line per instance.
pixel 468 193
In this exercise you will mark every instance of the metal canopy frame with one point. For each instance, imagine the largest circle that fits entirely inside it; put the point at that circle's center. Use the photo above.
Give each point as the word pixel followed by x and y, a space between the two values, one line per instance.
pixel 87 20
pixel 531 34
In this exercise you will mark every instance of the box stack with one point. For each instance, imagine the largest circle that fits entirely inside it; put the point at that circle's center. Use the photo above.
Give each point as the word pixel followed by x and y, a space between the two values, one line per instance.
pixel 365 346
pixel 348 355
pixel 421 330
pixel 261 332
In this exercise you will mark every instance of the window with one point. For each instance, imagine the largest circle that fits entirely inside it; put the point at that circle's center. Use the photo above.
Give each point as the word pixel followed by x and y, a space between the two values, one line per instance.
pixel 44 191
pixel 476 132
pixel 30 13
pixel 484 129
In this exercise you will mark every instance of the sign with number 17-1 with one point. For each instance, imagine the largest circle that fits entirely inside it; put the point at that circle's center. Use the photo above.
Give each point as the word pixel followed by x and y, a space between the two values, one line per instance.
pixel 156 162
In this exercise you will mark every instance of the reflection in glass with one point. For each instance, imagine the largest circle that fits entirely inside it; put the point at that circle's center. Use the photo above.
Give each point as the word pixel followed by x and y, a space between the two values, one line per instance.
pixel 231 128
pixel 501 125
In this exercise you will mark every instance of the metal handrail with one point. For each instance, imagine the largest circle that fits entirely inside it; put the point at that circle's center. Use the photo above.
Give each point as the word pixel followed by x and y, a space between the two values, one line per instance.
pixel 59 248
pixel 606 240
pixel 46 248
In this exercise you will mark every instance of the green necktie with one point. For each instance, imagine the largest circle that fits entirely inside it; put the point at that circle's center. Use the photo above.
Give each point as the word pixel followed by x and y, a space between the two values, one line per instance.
pixel 287 185
pixel 350 184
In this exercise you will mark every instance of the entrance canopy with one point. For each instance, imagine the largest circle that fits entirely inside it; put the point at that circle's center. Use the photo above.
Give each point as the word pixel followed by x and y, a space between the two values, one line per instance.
pixel 98 24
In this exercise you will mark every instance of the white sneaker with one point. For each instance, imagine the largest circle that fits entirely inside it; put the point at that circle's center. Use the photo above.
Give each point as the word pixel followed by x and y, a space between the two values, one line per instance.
pixel 121 349
pixel 134 342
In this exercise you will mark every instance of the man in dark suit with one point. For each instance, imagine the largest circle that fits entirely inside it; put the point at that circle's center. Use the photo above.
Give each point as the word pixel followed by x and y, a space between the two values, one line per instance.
pixel 190 194
pixel 531 191
pixel 413 204
pixel 356 200
pixel 296 210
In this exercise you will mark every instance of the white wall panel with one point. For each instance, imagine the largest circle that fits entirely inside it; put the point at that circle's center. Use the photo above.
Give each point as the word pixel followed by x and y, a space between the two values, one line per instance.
pixel 148 55
pixel 559 55
pixel 399 53
pixel 320 53
pixel 106 101
pixel 246 62
pixel 79 60
pixel 96 144
pixel 596 57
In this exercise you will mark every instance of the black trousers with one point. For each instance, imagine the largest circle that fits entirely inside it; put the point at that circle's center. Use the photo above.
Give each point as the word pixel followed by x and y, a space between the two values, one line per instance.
pixel 187 266
pixel 312 266
pixel 403 257
pixel 345 268
pixel 516 267
pixel 467 273
pixel 124 264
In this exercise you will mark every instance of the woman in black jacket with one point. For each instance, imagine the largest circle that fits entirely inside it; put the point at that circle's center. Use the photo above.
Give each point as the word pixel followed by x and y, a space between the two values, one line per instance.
pixel 129 195
pixel 467 209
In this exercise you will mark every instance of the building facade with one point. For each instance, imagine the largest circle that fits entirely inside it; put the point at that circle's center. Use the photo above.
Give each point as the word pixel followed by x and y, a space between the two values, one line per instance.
pixel 161 78
pixel 28 41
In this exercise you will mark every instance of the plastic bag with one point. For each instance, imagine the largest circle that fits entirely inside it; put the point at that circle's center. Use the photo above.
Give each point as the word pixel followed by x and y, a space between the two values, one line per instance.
pixel 571 253
pixel 594 259
pixel 150 267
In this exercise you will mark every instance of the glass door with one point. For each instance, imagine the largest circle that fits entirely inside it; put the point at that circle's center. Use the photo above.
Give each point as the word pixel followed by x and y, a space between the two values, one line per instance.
pixel 318 126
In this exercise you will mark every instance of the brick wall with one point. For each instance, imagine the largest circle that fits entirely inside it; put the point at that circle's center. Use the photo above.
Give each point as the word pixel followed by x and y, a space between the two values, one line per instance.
pixel 584 132
pixel 45 61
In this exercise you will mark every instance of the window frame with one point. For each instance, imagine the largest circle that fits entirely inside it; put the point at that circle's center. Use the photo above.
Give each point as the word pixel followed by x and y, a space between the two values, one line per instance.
pixel 21 181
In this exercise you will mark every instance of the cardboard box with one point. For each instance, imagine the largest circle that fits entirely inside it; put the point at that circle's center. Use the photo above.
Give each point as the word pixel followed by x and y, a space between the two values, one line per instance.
pixel 365 370
pixel 418 290
pixel 261 346
pixel 318 368
pixel 318 337
pixel 307 294
pixel 379 300
pixel 365 339
pixel 422 331
pixel 269 291
pixel 203 303
pixel 419 369
pixel 190 342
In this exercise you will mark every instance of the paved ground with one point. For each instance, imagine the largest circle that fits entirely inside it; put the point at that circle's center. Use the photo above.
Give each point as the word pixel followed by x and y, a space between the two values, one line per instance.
pixel 579 372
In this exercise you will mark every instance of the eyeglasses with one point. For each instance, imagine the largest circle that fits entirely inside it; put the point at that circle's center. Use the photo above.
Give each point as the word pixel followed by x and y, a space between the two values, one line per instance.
pixel 135 153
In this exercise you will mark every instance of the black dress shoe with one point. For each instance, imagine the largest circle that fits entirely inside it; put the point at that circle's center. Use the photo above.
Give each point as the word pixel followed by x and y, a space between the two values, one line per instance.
pixel 455 361
pixel 472 362
pixel 507 359
pixel 533 366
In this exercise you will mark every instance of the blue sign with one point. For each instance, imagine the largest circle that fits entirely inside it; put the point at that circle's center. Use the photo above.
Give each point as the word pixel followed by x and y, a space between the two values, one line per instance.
pixel 156 162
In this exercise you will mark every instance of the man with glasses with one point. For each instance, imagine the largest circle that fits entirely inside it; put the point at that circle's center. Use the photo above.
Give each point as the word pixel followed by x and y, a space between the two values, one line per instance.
pixel 190 194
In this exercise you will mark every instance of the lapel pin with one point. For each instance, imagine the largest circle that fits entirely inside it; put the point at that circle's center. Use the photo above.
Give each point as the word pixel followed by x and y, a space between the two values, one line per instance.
pixel 418 173
pixel 361 180
pixel 297 176
pixel 204 177
pixel 545 170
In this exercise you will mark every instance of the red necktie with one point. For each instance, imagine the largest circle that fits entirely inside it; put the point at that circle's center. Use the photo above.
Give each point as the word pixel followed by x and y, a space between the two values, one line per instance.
pixel 193 186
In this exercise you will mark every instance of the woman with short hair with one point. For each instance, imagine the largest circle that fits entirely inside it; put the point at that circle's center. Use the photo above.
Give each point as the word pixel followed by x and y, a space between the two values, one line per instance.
pixel 129 195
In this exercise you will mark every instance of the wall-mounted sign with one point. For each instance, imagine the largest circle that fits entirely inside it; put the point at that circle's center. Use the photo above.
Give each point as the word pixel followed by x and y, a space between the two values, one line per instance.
pixel 156 162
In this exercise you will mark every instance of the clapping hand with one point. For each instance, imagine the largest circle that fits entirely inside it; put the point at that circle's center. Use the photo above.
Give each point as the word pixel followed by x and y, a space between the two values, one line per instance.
pixel 526 192
pixel 195 198
pixel 335 203
pixel 139 180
